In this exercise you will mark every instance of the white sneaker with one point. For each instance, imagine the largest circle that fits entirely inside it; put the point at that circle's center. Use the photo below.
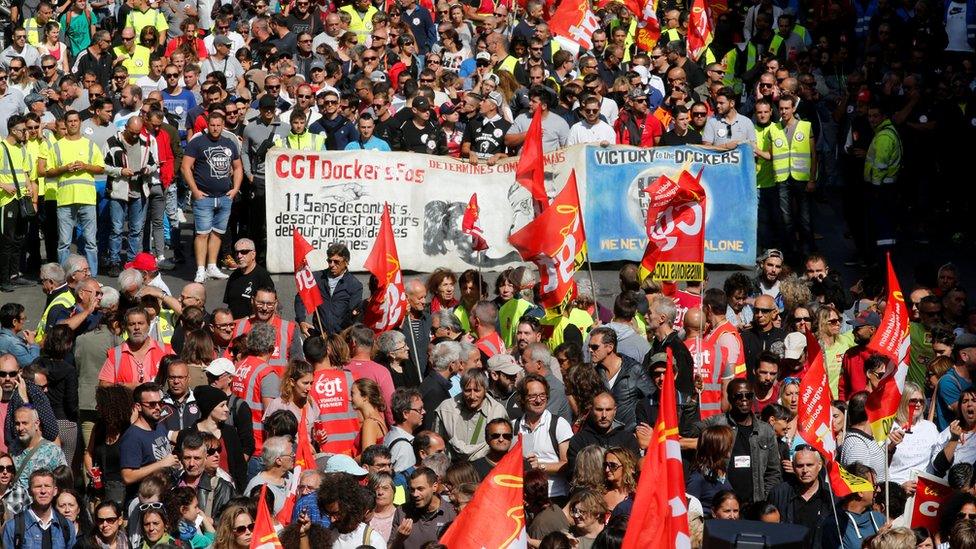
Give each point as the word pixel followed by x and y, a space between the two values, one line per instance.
pixel 180 216
pixel 201 276
pixel 214 272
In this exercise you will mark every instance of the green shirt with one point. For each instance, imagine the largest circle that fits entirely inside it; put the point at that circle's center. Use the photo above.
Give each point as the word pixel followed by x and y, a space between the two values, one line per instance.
pixel 77 30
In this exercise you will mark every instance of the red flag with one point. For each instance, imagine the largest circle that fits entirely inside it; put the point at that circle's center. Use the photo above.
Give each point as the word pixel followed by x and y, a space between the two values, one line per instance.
pixel 843 483
pixel 648 26
pixel 930 494
pixel 388 304
pixel 308 289
pixel 264 536
pixel 675 229
pixel 470 227
pixel 892 340
pixel 699 29
pixel 556 242
pixel 573 25
pixel 659 517
pixel 813 415
pixel 530 170
pixel 495 517
pixel 304 459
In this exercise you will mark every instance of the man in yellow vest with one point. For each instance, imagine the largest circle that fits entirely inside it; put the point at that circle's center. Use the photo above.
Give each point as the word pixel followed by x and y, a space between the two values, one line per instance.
pixel 790 39
pixel 299 138
pixel 795 171
pixel 15 184
pixel 135 58
pixel 35 25
pixel 361 14
pixel 144 16
pixel 770 220
pixel 75 161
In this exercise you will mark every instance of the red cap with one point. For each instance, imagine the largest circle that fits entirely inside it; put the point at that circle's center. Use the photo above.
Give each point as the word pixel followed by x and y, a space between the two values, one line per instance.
pixel 864 96
pixel 144 261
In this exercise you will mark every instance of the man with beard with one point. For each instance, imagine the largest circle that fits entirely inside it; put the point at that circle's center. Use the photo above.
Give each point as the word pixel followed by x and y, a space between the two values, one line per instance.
pixel 428 515
pixel 36 452
pixel 10 383
pixel 264 310
pixel 529 331
pixel 503 373
pixel 144 447
pixel 853 378
pixel 136 360
pixel 766 374
pixel 763 334
pixel 770 270
pixel 727 129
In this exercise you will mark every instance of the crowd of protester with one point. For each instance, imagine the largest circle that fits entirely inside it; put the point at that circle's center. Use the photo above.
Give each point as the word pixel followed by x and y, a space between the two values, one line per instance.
pixel 135 417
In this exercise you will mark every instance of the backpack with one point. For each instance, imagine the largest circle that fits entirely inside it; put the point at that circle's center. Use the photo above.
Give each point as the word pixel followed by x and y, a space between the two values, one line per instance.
pixel 20 526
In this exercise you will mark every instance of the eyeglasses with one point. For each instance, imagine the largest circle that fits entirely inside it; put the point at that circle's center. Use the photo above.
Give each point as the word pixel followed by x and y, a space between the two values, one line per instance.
pixel 333 261
pixel 153 404
pixel 577 512
pixel 272 87
pixel 800 319
pixel 496 436
pixel 611 466
pixel 594 346
pixel 591 111
pixel 765 85
pixel 331 102
pixel 148 506
pixel 434 62
pixel 242 252
pixel 105 520
pixel 124 39
pixel 418 410
pixel 762 311
pixel 211 451
pixel 372 58
pixel 244 528
pixel 964 516
pixel 833 321
pixel 305 41
pixel 48 67
pixel 9 374
pixel 8 469
pixel 744 396
pixel 17 68
pixel 224 325
pixel 699 114
pixel 916 401
pixel 541 397
pixel 427 80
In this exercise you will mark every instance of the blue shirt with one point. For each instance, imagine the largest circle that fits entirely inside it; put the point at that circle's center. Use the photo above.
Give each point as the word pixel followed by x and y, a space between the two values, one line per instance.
pixel 372 144
pixel 310 502
pixel 33 534
pixel 180 105
pixel 951 387
pixel 24 352
pixel 213 169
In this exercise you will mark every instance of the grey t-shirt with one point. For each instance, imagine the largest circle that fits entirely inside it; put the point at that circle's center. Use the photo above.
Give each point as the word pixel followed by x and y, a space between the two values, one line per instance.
pixel 555 130
pixel 133 158
pixel 719 132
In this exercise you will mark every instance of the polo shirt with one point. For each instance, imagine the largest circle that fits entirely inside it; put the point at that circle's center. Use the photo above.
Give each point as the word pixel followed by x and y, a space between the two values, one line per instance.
pixel 537 441
pixel 719 132
pixel 428 526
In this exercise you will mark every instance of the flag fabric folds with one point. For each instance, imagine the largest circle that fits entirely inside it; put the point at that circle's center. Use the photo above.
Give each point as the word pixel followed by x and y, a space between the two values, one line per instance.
pixel 659 517
pixel 700 26
pixel 470 227
pixel 648 26
pixel 892 340
pixel 530 169
pixel 388 304
pixel 308 288
pixel 675 229
pixel 556 242
pixel 495 516
pixel 304 460
pixel 264 536
pixel 573 24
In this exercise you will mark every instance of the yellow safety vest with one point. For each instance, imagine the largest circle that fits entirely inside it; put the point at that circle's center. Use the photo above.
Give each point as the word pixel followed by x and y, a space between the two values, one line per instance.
pixel 628 41
pixel 791 158
pixel 732 74
pixel 507 64
pixel 46 188
pixel 137 63
pixel 463 317
pixel 577 317
pixel 640 325
pixel 508 317
pixel 778 39
pixel 361 25
pixel 17 161
pixel 66 299
pixel 76 187
pixel 138 20
pixel 304 142
pixel 35 30
pixel 765 177
pixel 668 36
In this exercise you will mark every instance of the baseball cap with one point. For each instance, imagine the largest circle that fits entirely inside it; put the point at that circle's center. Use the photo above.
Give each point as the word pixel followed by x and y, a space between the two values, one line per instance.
pixel 267 102
pixel 637 94
pixel 316 65
pixel 341 463
pixel 33 98
pixel 496 98
pixel 964 341
pixel 795 344
pixel 377 76
pixel 505 364
pixel 222 41
pixel 866 318
pixel 482 56
pixel 220 366
pixel 421 103
pixel 144 261
pixel 864 96
pixel 448 108
pixel 658 358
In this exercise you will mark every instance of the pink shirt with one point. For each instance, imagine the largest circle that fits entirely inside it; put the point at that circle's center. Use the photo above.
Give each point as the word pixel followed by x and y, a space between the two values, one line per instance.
pixel 379 374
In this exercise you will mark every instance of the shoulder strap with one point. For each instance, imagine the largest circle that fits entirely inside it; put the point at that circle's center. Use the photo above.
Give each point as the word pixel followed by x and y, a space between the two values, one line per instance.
pixel 13 170
pixel 553 423
pixel 397 441
pixel 366 533
pixel 63 524
pixel 26 460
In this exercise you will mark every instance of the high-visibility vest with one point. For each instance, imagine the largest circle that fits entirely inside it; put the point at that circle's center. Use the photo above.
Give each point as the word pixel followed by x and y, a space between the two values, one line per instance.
pixel 792 157
pixel 305 142
pixel 704 357
pixel 76 187
pixel 733 70
pixel 247 386
pixel 285 330
pixel 137 63
pixel 35 31
pixel 66 299
pixel 886 144
pixel 138 20
pixel 362 25
pixel 778 39
pixel 464 317
pixel 507 64
pixel 17 161
pixel 330 391
pixel 738 358
pixel 863 14
pixel 120 361
pixel 765 176
pixel 508 317
pixel 668 36
pixel 36 148
pixel 491 345
pixel 554 328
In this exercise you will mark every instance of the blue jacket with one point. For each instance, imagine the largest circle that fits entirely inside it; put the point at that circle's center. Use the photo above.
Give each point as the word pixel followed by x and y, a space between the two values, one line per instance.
pixel 340 308
pixel 423 27
pixel 33 533
pixel 338 132
pixel 24 352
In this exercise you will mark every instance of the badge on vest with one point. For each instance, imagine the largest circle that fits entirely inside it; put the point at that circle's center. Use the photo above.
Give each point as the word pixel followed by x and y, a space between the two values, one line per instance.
pixel 799 136
pixel 742 462
pixel 779 142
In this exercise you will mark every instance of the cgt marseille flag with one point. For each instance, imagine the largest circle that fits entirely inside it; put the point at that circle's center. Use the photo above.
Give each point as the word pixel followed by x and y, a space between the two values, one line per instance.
pixel 891 340
pixel 675 229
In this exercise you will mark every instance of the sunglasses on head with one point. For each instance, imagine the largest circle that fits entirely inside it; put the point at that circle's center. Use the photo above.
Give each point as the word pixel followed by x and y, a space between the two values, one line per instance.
pixel 148 506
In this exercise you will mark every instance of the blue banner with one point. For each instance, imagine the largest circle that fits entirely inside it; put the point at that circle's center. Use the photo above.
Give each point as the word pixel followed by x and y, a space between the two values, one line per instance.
pixel 615 204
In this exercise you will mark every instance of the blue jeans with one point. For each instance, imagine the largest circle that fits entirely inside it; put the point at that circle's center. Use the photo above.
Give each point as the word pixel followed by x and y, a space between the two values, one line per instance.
pixel 131 211
pixel 84 217
pixel 210 214
pixel 104 229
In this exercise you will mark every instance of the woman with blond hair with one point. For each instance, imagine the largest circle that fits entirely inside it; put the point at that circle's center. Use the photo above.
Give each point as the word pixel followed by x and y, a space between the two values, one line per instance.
pixel 588 469
pixel 235 528
pixel 620 470
pixel 833 343
pixel 913 439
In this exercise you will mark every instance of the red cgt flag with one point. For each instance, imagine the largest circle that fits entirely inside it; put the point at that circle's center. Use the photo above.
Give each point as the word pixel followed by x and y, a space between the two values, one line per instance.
pixel 660 513
pixel 648 26
pixel 495 517
pixel 813 415
pixel 304 459
pixel 931 493
pixel 573 24
pixel 891 340
pixel 530 170
pixel 556 242
pixel 470 227
pixel 264 536
pixel 308 289
pixel 388 304
pixel 699 29
pixel 675 229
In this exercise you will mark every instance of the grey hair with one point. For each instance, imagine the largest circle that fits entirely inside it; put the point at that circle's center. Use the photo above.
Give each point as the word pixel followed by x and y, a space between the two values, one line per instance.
pixel 486 312
pixel 525 279
pixel 476 376
pixel 246 241
pixel 540 352
pixel 274 447
pixel 110 297
pixel 438 463
pixel 130 280
pixel 664 305
pixel 444 354
pixel 73 263
pixel 389 340
pixel 53 272
pixel 308 473
pixel 448 320
pixel 361 336
pixel 261 339
pixel 466 348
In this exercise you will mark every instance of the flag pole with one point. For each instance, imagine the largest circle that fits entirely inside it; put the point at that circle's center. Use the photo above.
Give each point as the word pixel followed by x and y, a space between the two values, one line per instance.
pixel 887 491
pixel 413 340
pixel 833 504
pixel 596 302
pixel 318 320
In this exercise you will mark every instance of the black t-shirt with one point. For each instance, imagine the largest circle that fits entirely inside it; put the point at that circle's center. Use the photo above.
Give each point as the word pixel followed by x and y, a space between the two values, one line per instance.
pixel 426 140
pixel 672 139
pixel 487 137
pixel 241 287
pixel 740 466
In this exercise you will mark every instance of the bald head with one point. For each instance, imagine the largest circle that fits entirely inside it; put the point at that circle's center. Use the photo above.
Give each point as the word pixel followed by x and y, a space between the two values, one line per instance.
pixel 134 124
pixel 694 320
pixel 414 286
pixel 764 302
pixel 195 290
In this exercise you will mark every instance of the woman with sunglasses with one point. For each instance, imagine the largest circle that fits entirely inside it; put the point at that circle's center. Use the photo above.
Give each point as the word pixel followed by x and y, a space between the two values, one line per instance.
pixel 833 342
pixel 709 474
pixel 107 531
pixel 114 408
pixel 912 440
pixel 235 528
pixel 7 470
pixel 620 468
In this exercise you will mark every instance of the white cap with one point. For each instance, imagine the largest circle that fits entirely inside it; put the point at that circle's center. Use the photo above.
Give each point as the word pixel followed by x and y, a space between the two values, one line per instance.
pixel 220 366
pixel 795 344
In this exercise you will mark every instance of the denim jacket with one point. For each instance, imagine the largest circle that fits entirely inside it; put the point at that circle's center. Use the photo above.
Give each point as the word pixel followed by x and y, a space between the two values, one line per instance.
pixel 33 534
pixel 12 343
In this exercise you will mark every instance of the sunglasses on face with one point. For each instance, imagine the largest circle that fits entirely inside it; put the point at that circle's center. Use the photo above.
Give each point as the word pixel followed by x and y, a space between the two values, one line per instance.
pixel 213 451
pixel 763 311
pixel 244 528
pixel 801 319
pixel 9 374
pixel 594 346
pixel 743 396
pixel 8 469
pixel 496 436
pixel 105 520
pixel 611 466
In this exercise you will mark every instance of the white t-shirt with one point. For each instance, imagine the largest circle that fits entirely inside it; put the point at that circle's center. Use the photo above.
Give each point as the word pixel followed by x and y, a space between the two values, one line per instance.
pixel 965 450
pixel 538 442
pixel 148 85
pixel 956 27
pixel 354 539
pixel 915 452
pixel 582 132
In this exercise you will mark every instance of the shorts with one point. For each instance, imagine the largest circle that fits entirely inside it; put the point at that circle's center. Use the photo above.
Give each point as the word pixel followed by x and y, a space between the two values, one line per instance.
pixel 210 214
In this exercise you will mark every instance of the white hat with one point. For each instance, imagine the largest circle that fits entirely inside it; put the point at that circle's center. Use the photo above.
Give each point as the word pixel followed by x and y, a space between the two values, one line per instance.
pixel 220 366
pixel 795 344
